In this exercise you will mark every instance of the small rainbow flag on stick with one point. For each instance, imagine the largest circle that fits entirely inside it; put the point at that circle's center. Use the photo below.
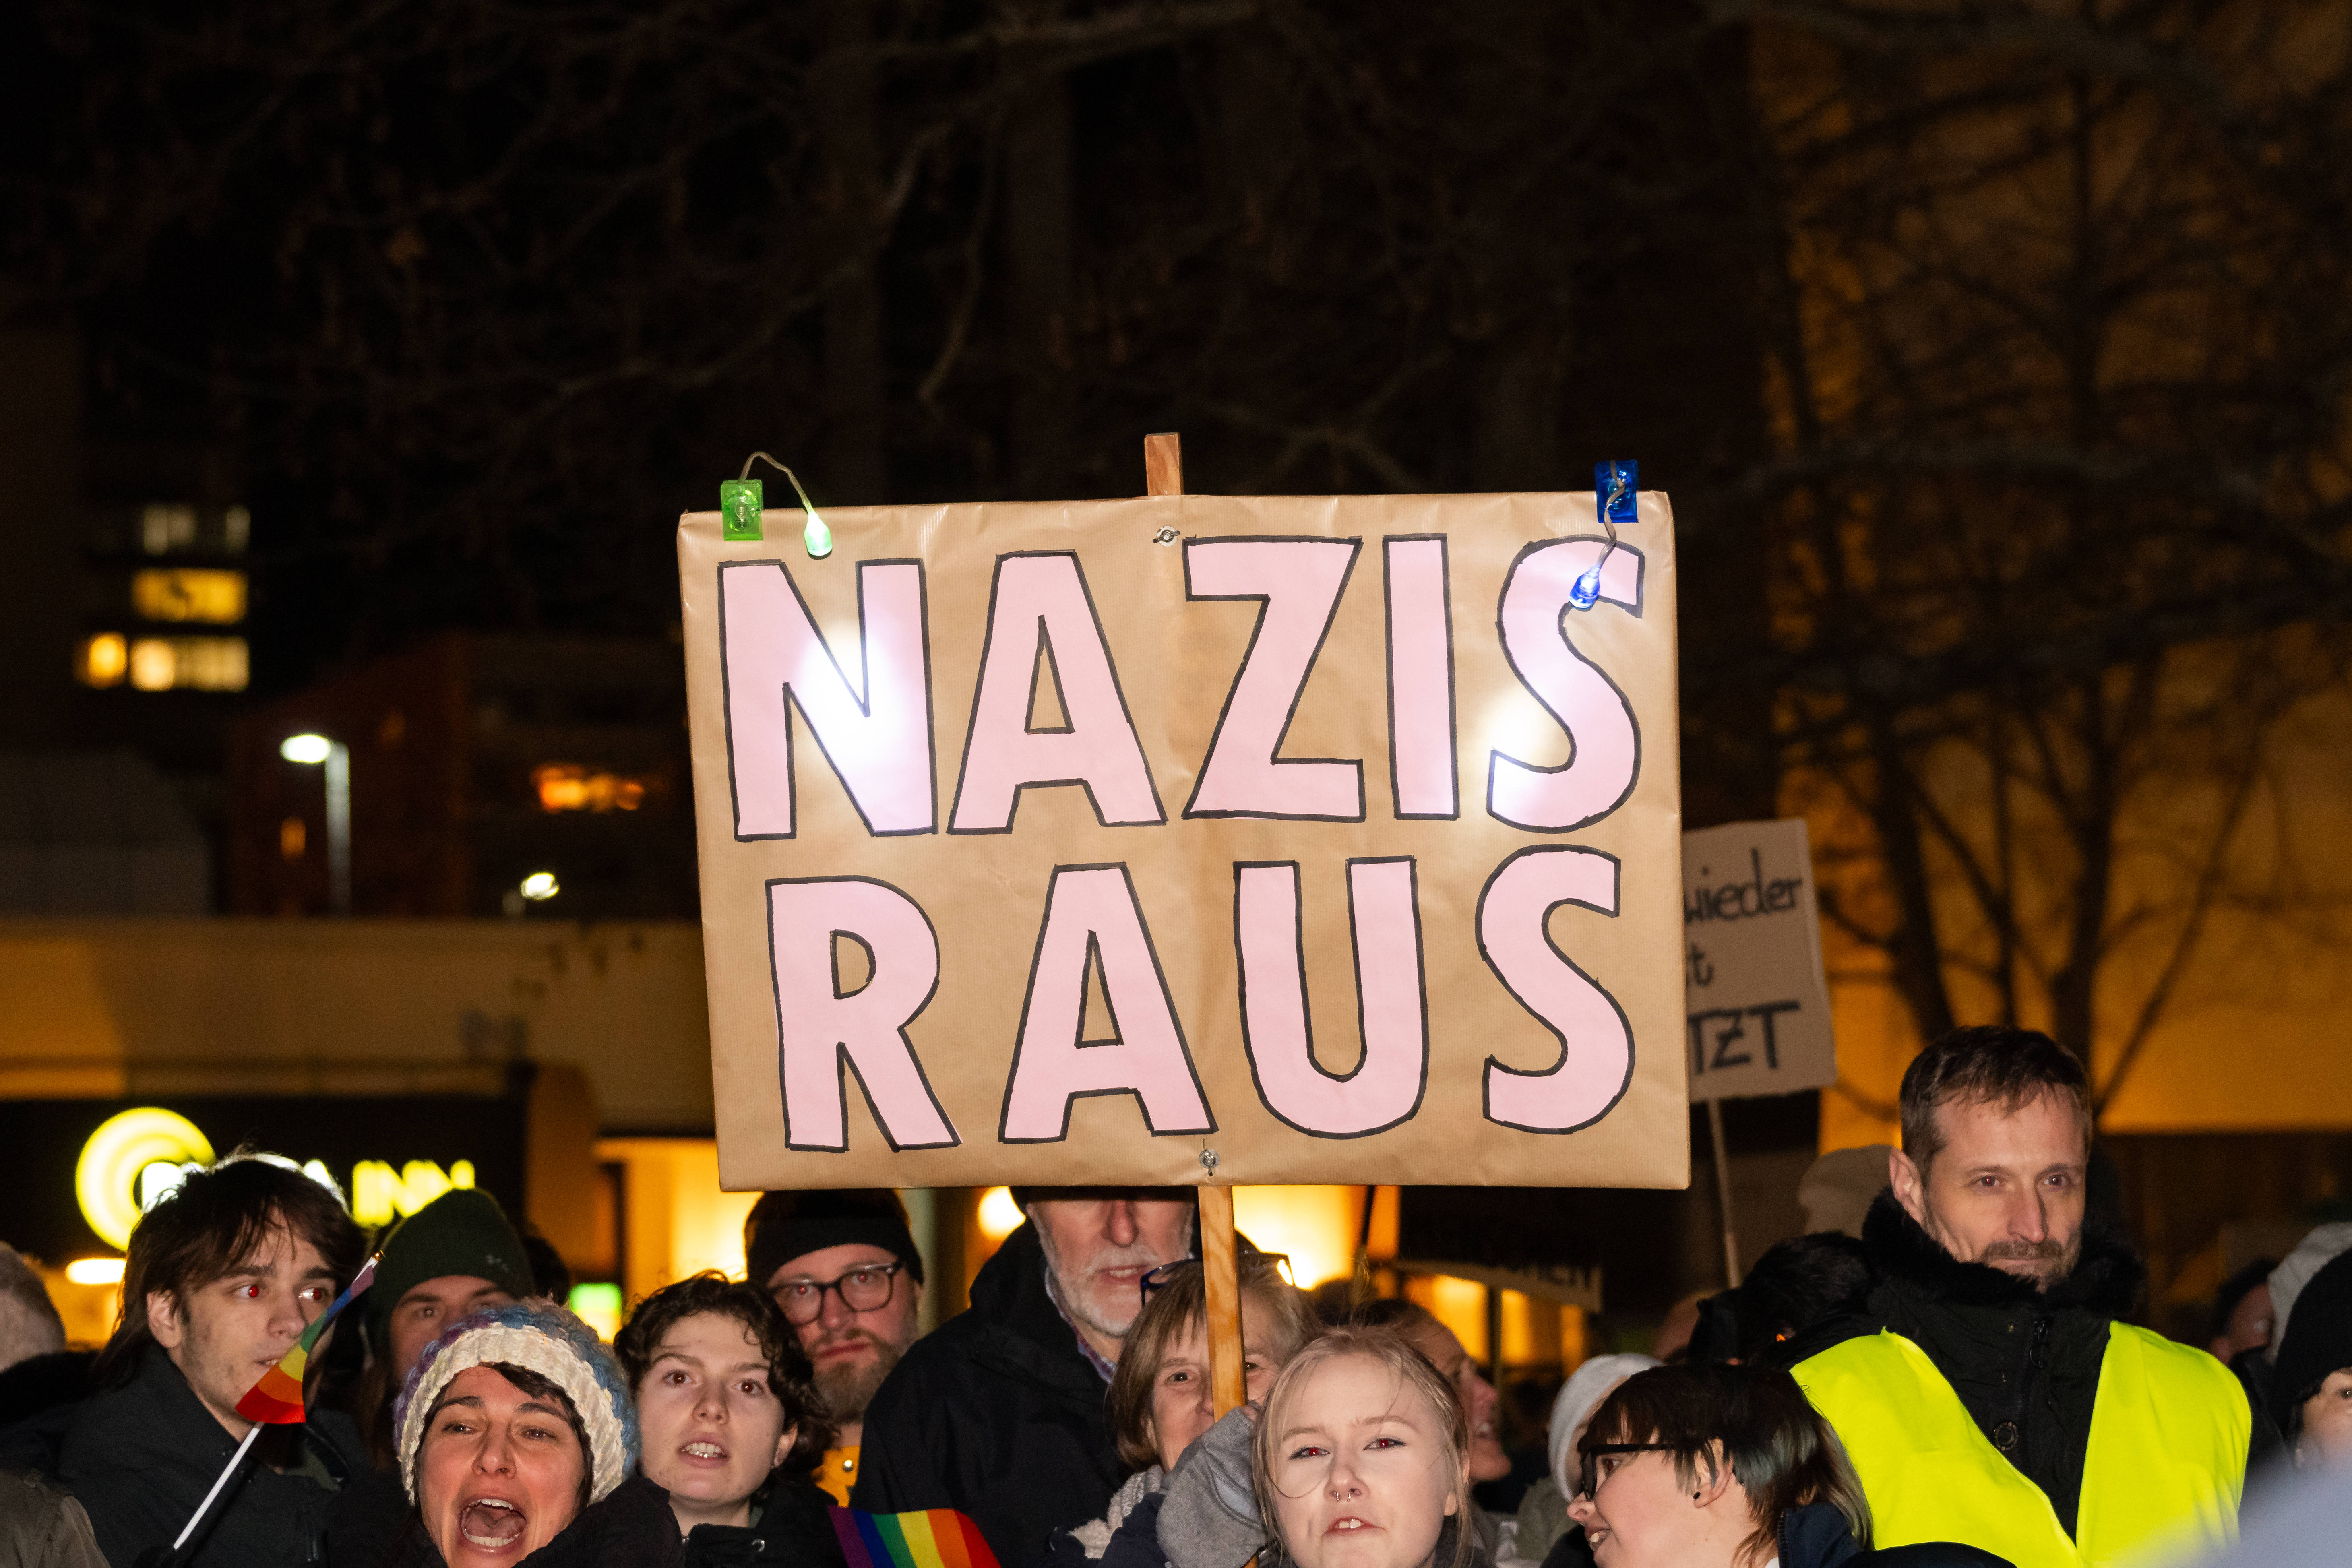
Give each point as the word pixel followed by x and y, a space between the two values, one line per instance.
pixel 277 1399
pixel 933 1538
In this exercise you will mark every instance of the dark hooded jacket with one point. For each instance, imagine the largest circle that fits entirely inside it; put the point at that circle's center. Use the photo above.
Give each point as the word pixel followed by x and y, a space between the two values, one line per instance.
pixel 142 1456
pixel 998 1413
pixel 2024 1363
pixel 791 1523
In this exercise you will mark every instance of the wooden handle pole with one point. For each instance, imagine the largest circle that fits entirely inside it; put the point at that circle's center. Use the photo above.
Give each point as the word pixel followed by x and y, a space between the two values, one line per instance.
pixel 1723 1195
pixel 1228 1386
pixel 1163 464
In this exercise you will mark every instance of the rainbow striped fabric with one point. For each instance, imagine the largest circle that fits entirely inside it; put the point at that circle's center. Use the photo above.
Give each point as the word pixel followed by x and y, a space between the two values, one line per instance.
pixel 277 1399
pixel 934 1538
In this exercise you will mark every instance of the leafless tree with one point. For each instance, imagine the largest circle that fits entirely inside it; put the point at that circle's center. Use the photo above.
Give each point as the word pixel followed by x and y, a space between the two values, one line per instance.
pixel 2060 347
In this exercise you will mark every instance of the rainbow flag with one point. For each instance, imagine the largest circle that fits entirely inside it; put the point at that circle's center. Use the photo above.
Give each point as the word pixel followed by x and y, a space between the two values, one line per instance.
pixel 277 1399
pixel 933 1538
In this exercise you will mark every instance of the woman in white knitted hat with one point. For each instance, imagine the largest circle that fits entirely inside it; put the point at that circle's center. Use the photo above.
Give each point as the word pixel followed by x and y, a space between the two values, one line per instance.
pixel 517 1441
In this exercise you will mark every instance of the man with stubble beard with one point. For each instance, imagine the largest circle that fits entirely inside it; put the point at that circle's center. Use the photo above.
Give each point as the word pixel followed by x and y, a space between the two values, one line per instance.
pixel 844 1268
pixel 1001 1413
pixel 1987 1391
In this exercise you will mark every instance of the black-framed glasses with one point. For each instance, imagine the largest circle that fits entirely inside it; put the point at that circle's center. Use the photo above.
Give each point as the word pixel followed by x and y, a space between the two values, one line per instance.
pixel 1601 1459
pixel 863 1289
pixel 1168 1273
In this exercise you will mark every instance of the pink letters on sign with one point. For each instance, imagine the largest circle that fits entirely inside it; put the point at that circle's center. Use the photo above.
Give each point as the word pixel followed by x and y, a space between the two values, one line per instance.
pixel 1300 580
pixel 1042 598
pixel 1596 1059
pixel 1385 1086
pixel 818 1029
pixel 1091 912
pixel 877 737
pixel 1600 771
pixel 1422 769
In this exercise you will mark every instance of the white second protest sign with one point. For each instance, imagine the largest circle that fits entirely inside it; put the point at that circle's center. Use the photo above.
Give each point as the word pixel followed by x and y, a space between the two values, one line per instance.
pixel 1758 1001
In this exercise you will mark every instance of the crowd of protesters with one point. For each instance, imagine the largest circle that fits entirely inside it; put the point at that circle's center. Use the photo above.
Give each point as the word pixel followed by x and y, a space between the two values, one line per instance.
pixel 1956 1387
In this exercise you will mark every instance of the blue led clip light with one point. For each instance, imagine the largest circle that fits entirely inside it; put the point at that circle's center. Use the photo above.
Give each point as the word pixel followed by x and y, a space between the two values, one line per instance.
pixel 1614 494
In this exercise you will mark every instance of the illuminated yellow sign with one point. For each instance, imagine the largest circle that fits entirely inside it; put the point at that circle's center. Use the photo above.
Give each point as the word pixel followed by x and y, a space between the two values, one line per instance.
pixel 108 1178
pixel 135 1158
pixel 378 1192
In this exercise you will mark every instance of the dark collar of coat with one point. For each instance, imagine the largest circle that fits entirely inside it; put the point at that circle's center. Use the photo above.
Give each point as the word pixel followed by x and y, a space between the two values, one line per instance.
pixel 2106 1279
pixel 1025 1334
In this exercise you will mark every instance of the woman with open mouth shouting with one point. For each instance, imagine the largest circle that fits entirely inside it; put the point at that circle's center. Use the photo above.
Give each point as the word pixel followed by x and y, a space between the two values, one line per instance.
pixel 517 1440
pixel 733 1422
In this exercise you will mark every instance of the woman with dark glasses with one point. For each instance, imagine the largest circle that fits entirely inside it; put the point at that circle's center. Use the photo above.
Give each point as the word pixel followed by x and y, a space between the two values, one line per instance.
pixel 1707 1466
pixel 1159 1396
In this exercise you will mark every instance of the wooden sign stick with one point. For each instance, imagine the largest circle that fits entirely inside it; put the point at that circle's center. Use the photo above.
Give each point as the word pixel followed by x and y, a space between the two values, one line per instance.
pixel 1163 464
pixel 1163 475
pixel 1228 1386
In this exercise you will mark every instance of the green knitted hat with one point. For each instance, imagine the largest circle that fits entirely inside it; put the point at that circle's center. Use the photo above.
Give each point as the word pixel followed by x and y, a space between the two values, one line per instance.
pixel 463 1231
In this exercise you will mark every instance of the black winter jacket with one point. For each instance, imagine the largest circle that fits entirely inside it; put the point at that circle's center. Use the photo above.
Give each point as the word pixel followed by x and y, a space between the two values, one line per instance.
pixel 794 1525
pixel 1815 1536
pixel 998 1413
pixel 141 1458
pixel 2024 1363
pixel 630 1527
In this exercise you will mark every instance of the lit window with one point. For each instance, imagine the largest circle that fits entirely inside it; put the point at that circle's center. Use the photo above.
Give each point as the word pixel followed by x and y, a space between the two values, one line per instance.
pixel 102 660
pixel 188 593
pixel 565 786
pixel 293 837
pixel 999 1215
pixel 194 664
pixel 236 530
pixel 164 526
pixel 153 666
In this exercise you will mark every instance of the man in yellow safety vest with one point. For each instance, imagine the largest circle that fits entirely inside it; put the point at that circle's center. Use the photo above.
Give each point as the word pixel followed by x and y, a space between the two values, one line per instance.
pixel 1986 1392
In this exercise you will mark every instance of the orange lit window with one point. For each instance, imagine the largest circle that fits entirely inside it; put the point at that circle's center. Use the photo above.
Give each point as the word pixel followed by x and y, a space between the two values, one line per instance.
pixel 188 593
pixel 198 664
pixel 102 660
pixel 566 786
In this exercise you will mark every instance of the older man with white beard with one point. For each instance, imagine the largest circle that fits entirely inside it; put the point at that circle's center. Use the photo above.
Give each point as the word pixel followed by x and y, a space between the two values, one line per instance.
pixel 1000 1413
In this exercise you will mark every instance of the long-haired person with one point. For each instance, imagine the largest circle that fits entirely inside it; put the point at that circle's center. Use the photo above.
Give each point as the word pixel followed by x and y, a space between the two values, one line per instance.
pixel 729 1422
pixel 1159 1396
pixel 1363 1459
pixel 1709 1465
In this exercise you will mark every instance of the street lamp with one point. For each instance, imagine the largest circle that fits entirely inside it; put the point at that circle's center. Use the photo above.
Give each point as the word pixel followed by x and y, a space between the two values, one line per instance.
pixel 312 750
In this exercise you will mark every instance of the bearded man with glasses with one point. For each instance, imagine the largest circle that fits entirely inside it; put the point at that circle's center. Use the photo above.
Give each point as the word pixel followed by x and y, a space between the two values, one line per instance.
pixel 844 1268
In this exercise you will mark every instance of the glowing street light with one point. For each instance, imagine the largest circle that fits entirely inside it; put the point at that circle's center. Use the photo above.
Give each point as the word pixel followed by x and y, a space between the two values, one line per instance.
pixel 312 750
pixel 540 886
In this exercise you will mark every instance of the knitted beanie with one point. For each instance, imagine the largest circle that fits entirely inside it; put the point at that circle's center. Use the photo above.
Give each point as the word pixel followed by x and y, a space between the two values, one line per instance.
pixel 463 1231
pixel 1578 1398
pixel 2318 1339
pixel 785 1226
pixel 2313 1253
pixel 540 1337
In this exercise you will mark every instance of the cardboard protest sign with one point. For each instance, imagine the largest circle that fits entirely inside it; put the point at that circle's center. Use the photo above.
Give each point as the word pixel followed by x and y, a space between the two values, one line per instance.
pixel 1191 839
pixel 1760 1004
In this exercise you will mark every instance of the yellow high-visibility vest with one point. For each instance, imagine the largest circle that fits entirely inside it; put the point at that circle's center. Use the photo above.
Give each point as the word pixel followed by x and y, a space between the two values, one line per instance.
pixel 2161 1479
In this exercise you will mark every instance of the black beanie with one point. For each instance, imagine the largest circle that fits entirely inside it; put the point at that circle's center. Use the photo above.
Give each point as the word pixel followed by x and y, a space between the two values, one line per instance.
pixel 785 1226
pixel 463 1231
pixel 2318 1334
